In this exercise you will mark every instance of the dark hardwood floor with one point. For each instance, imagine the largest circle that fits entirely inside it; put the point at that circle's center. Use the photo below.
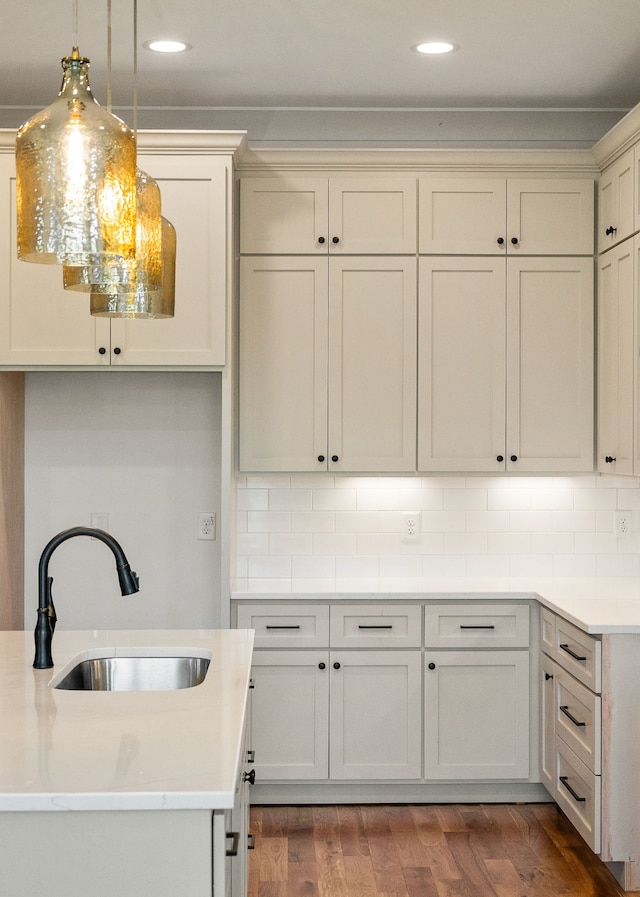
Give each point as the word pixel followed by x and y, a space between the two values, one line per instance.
pixel 488 850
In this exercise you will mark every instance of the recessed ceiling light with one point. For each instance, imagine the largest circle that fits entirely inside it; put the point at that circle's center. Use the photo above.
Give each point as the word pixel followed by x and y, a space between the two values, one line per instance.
pixel 166 46
pixel 435 47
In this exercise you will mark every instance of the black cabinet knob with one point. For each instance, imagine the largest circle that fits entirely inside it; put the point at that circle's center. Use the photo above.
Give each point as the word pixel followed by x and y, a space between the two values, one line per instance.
pixel 334 458
pixel 500 241
pixel 500 458
pixel 609 459
pixel 249 777
pixel 548 676
pixel 514 457
pixel 321 458
pixel 335 240
pixel 611 230
pixel 336 665
pixel 320 239
pixel 514 240
pixel 322 666
pixel 117 350
pixel 102 350
pixel 432 666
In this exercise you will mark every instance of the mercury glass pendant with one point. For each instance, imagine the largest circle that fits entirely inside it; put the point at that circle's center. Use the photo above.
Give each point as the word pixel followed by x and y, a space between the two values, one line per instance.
pixel 141 302
pixel 144 272
pixel 75 178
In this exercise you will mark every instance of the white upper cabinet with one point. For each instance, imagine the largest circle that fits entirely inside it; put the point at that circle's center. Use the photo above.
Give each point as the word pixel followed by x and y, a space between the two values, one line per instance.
pixel 314 216
pixel 41 324
pixel 616 202
pixel 491 216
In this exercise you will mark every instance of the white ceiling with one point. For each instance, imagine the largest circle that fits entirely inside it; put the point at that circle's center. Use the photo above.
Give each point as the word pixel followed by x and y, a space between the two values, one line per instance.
pixel 570 62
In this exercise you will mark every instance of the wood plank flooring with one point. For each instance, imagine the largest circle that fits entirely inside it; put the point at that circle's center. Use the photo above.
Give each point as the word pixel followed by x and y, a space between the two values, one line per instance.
pixel 488 850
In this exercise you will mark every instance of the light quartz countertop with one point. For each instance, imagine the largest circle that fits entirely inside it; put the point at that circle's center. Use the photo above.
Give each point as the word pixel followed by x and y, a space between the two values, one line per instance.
pixel 78 750
pixel 597 605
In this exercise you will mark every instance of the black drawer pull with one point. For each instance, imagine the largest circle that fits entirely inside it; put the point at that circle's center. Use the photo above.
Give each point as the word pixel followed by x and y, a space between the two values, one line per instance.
pixel 251 842
pixel 297 626
pixel 548 676
pixel 249 777
pixel 251 756
pixel 576 722
pixel 379 626
pixel 477 626
pixel 574 794
pixel 572 653
pixel 233 850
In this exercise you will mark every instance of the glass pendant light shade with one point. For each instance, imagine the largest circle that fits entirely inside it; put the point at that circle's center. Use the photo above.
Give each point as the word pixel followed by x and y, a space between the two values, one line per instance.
pixel 142 272
pixel 141 302
pixel 75 178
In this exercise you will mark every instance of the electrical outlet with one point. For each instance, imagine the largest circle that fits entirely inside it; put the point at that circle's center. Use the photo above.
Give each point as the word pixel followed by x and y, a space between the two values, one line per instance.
pixel 410 526
pixel 207 527
pixel 623 524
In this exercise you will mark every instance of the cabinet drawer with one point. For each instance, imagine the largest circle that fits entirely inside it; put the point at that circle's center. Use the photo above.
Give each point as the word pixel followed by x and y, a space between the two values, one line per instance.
pixel 578 794
pixel 290 625
pixel 578 719
pixel 579 653
pixel 376 626
pixel 476 625
pixel 547 630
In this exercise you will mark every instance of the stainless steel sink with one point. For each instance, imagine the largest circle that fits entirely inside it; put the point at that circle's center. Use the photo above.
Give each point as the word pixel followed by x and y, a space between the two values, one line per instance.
pixel 133 673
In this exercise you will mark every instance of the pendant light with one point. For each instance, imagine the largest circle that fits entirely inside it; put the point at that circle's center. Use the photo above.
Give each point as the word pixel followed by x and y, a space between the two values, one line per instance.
pixel 142 302
pixel 142 272
pixel 75 178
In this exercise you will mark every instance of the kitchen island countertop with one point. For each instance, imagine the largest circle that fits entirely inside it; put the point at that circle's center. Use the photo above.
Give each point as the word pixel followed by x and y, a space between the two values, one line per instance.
pixel 145 750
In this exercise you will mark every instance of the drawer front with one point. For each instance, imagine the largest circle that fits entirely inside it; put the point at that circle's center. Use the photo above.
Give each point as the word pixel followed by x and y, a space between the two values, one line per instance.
pixel 476 625
pixel 578 719
pixel 376 626
pixel 579 653
pixel 286 625
pixel 547 630
pixel 578 794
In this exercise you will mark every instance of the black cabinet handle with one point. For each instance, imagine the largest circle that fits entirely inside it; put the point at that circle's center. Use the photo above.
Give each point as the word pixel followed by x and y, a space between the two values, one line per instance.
pixel 574 795
pixel 573 654
pixel 322 666
pixel 548 676
pixel 321 458
pixel 611 230
pixel 377 626
pixel 334 458
pixel 251 756
pixel 102 350
pixel 251 842
pixel 249 777
pixel 432 666
pixel 514 457
pixel 514 240
pixel 252 683
pixel 335 240
pixel 117 350
pixel 321 240
pixel 609 459
pixel 488 626
pixel 500 241
pixel 500 458
pixel 233 850
pixel 336 665
pixel 297 626
pixel 565 710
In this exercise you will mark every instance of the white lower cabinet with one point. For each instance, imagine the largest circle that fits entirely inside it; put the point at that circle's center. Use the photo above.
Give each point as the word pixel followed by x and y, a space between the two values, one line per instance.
pixel 476 715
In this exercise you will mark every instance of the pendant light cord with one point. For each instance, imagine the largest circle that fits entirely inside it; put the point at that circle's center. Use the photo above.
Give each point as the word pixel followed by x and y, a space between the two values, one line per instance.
pixel 109 45
pixel 75 23
pixel 135 70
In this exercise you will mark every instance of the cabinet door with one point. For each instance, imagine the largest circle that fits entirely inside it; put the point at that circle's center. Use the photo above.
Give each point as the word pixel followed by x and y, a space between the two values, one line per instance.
pixel 40 322
pixel 461 364
pixel 616 341
pixel 476 713
pixel 550 365
pixel 372 359
pixel 550 216
pixel 375 715
pixel 290 715
pixel 283 364
pixel 616 202
pixel 372 215
pixel 284 215
pixel 547 724
pixel 462 216
pixel 196 199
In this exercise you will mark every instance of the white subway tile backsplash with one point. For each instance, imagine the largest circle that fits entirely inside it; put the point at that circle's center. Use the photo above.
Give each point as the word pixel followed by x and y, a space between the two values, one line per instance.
pixel 320 533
